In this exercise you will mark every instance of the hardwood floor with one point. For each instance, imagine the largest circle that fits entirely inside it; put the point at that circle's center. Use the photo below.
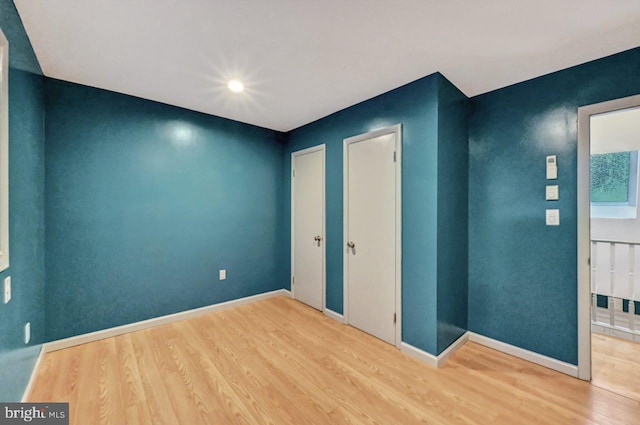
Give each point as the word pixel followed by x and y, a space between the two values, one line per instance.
pixel 279 362
pixel 615 365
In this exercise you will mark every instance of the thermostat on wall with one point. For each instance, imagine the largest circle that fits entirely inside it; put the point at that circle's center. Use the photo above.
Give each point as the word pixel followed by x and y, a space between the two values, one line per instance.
pixel 552 167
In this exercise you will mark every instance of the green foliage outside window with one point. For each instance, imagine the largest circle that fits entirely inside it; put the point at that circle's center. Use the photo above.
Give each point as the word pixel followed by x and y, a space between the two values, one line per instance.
pixel 610 177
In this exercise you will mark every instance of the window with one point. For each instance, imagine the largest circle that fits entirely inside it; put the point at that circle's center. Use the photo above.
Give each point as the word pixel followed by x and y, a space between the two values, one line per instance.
pixel 614 185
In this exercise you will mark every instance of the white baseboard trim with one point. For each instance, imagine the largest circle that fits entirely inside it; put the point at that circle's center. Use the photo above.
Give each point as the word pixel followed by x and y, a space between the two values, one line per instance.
pixel 542 360
pixel 419 354
pixel 430 359
pixel 287 293
pixel 335 316
pixel 442 357
pixel 157 321
pixel 32 378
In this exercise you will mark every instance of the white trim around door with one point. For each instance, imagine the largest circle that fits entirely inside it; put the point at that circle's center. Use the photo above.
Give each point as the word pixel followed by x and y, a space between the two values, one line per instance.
pixel 584 220
pixel 318 148
pixel 397 130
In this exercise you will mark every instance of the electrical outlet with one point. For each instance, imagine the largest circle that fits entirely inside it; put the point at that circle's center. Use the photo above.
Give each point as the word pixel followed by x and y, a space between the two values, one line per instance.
pixel 27 332
pixel 223 274
pixel 7 289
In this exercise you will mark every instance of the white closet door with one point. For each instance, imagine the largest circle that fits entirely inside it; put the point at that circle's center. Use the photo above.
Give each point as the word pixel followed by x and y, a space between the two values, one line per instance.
pixel 308 226
pixel 371 238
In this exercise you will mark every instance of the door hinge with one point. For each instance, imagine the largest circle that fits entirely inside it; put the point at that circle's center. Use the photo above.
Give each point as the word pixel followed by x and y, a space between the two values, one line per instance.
pixel 394 318
pixel 394 156
pixel 589 261
pixel 293 280
pixel 294 173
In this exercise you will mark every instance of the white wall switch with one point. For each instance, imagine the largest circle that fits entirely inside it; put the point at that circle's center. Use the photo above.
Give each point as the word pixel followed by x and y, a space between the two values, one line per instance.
pixel 7 289
pixel 553 217
pixel 223 274
pixel 27 332
pixel 552 167
pixel 553 192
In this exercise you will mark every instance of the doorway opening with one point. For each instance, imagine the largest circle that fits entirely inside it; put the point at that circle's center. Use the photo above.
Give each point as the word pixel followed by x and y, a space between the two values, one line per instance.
pixel 609 245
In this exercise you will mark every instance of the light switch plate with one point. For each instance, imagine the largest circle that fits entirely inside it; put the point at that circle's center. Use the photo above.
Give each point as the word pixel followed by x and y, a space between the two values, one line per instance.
pixel 553 217
pixel 7 289
pixel 553 192
pixel 223 274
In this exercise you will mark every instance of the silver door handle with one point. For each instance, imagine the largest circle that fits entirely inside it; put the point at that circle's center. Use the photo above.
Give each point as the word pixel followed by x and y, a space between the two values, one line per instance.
pixel 317 238
pixel 351 245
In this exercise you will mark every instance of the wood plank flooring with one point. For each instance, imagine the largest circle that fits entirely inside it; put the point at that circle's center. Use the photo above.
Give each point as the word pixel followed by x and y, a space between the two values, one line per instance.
pixel 615 365
pixel 280 362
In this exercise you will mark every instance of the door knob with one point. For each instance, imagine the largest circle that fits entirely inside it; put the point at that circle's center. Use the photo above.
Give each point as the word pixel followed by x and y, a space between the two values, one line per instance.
pixel 317 238
pixel 351 245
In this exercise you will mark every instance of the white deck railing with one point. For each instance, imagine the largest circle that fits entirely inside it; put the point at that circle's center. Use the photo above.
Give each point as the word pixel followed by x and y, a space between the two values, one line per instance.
pixel 615 273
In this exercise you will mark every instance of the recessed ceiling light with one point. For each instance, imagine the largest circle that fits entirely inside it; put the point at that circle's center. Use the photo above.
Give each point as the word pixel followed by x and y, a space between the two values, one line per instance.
pixel 235 86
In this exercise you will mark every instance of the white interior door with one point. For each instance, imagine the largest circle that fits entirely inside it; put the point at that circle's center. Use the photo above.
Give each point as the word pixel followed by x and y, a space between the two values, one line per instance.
pixel 370 233
pixel 307 226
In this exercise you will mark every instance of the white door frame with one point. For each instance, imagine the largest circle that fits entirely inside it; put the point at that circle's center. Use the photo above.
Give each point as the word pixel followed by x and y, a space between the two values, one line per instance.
pixel 584 220
pixel 321 148
pixel 397 130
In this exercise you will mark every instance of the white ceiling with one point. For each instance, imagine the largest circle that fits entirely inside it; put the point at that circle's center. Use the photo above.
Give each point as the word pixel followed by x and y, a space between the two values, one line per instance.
pixel 302 60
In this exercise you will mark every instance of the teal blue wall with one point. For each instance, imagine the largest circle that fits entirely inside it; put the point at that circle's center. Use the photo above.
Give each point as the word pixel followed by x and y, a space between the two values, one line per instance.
pixel 146 202
pixel 416 107
pixel 26 211
pixel 453 177
pixel 522 274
